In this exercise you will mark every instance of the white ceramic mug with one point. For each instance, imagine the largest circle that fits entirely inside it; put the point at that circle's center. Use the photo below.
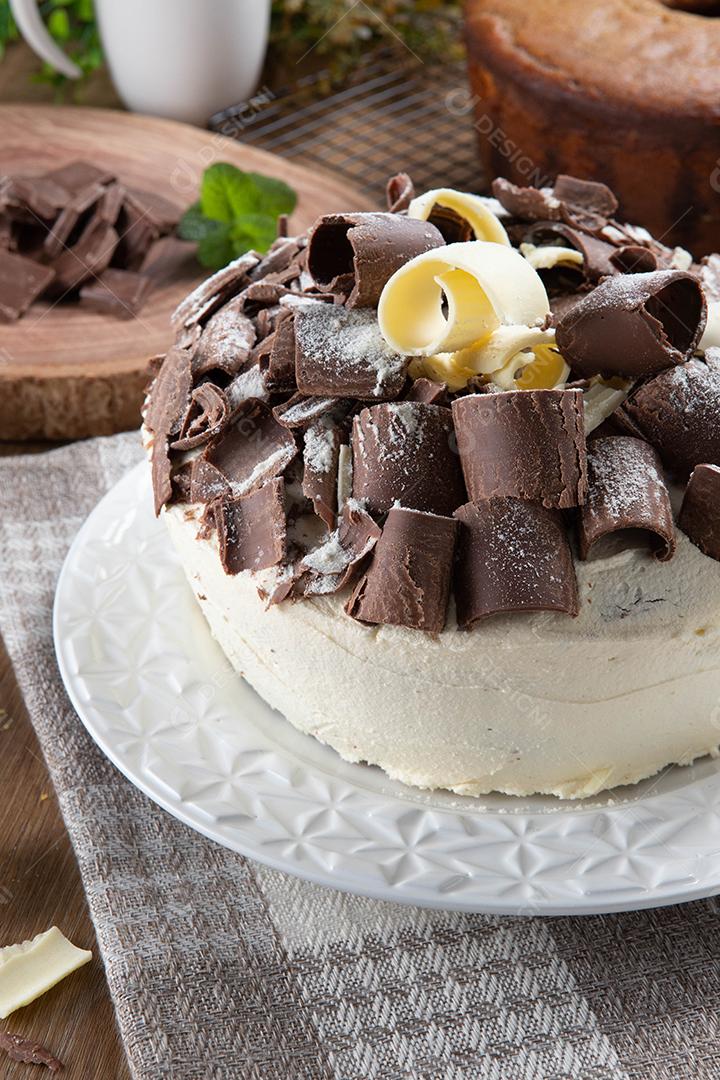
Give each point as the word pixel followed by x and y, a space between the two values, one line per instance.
pixel 184 59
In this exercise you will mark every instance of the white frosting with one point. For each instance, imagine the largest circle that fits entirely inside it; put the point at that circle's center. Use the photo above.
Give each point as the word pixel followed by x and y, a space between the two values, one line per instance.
pixel 522 704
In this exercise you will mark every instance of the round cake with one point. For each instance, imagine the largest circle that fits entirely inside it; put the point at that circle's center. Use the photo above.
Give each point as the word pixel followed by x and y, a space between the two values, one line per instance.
pixel 627 91
pixel 445 481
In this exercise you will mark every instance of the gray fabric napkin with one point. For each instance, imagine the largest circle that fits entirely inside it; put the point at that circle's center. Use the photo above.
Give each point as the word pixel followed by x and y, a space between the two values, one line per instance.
pixel 221 968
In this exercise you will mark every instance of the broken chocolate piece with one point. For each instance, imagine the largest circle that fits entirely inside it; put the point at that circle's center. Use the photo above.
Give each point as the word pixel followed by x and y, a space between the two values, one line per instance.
pixel 512 556
pixel 700 512
pixel 626 491
pixel 528 444
pixel 354 255
pixel 162 214
pixel 252 531
pixel 69 219
pixel 215 291
pixel 116 292
pixel 206 482
pixel 35 196
pixel 634 324
pixel 89 256
pixel 320 456
pixel 77 175
pixel 430 392
pixel 253 449
pixel 343 354
pixel 408 580
pixel 404 453
pixel 28 1051
pixel 527 203
pixel 226 341
pixel 677 413
pixel 338 561
pixel 588 194
pixel 21 282
pixel 400 192
pixel 207 416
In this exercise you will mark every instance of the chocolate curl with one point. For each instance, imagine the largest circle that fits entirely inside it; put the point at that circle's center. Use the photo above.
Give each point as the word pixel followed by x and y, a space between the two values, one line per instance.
pixel 226 341
pixel 634 324
pixel 354 255
pixel 429 392
pixel 589 195
pixel 206 482
pixel 169 403
pixel 512 556
pixel 700 512
pixel 626 490
pixel 207 416
pixel 338 561
pixel 252 532
pixel 400 192
pixel 319 484
pixel 302 410
pixel 279 363
pixel 528 444
pixel 212 293
pixel 343 354
pixel 253 449
pixel 404 452
pixel 408 580
pixel 677 413
pixel 633 259
pixel 597 254
pixel 527 203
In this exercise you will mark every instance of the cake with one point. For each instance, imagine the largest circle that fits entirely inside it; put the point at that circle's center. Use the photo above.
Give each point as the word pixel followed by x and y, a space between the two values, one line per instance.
pixel 621 90
pixel 445 481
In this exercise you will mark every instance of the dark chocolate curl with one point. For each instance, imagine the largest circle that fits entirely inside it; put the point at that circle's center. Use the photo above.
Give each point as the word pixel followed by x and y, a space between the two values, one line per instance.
pixel 226 341
pixel 301 410
pixel 634 324
pixel 408 580
pixel 512 556
pixel 597 254
pixel 588 194
pixel 400 192
pixel 343 354
pixel 319 484
pixel 169 403
pixel 253 449
pixel 528 444
pixel 677 412
pixel 336 563
pixel 280 364
pixel 633 259
pixel 207 416
pixel 252 531
pixel 700 512
pixel 527 203
pixel 626 491
pixel 354 255
pixel 212 293
pixel 431 393
pixel 404 452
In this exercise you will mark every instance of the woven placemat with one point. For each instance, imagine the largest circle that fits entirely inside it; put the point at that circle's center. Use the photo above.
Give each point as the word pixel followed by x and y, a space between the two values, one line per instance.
pixel 394 112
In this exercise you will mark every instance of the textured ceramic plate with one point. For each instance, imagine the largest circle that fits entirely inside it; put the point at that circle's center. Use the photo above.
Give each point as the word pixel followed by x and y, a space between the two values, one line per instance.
pixel 159 698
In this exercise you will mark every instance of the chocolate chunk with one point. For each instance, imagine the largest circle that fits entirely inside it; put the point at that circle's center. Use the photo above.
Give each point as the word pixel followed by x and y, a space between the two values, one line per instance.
pixel 89 256
pixel 354 255
pixel 597 254
pixel 626 491
pixel 207 484
pixel 301 410
pixel 77 175
pixel 226 341
pixel 408 580
pixel 527 203
pixel 39 196
pixel 111 203
pixel 700 512
pixel 633 259
pixel 404 453
pixel 21 282
pixel 253 449
pixel 677 412
pixel 512 556
pixel 28 1051
pixel 252 531
pixel 215 291
pixel 116 292
pixel 634 324
pixel 280 363
pixel 588 194
pixel 343 354
pixel 400 192
pixel 431 393
pixel 528 444
pixel 70 219
pixel 320 456
pixel 162 214
pixel 207 416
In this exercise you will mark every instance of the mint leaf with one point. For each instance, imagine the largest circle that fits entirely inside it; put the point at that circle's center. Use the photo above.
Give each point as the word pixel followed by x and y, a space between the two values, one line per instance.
pixel 253 231
pixel 215 249
pixel 271 196
pixel 193 225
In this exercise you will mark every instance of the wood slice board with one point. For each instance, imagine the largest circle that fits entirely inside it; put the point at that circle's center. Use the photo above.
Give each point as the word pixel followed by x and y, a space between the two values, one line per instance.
pixel 66 373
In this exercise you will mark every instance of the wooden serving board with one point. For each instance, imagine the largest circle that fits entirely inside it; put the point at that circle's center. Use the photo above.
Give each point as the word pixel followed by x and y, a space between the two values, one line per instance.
pixel 66 373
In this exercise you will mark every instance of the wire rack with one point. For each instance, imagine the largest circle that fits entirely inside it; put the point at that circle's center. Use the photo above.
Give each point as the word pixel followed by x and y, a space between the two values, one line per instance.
pixel 392 114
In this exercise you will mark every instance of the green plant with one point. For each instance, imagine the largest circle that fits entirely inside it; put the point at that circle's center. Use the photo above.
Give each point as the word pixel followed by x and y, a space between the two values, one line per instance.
pixel 236 211
pixel 72 24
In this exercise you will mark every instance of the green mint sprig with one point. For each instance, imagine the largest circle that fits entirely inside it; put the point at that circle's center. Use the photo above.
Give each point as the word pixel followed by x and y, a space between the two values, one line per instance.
pixel 236 211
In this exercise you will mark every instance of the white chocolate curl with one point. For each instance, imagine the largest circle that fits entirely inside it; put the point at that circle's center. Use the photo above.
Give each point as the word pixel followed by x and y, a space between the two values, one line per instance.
pixel 711 336
pixel 602 398
pixel 551 255
pixel 512 357
pixel 471 208
pixel 483 286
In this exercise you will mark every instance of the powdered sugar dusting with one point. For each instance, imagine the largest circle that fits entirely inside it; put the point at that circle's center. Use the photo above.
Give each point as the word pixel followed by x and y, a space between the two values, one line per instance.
pixel 348 342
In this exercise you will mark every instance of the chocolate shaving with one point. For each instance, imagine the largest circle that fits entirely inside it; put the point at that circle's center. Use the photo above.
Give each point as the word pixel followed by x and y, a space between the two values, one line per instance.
pixel 527 203
pixel 429 392
pixel 320 456
pixel 28 1051
pixel 281 254
pixel 597 254
pixel 169 402
pixel 253 449
pixel 215 291
pixel 700 512
pixel 626 492
pixel 116 292
pixel 207 484
pixel 252 531
pixel 226 341
pixel 677 412
pixel 527 444
pixel 633 259
pixel 21 282
pixel 634 324
pixel 301 410
pixel 408 580
pixel 207 416
pixel 404 453
pixel 340 353
pixel 400 192
pixel 279 363
pixel 337 562
pixel 588 194
pixel 247 385
pixel 512 556
pixel 354 255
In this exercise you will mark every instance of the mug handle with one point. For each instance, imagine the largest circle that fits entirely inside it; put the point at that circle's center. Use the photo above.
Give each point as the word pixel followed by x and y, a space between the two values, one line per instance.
pixel 33 29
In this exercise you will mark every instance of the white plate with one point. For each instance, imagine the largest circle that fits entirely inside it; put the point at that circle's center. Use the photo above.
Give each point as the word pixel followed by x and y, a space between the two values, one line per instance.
pixel 157 695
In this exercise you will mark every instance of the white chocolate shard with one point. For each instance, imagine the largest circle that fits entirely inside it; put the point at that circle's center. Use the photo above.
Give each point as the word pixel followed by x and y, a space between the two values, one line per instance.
pixel 344 476
pixel 711 334
pixel 30 969
pixel 451 297
pixel 549 256
pixel 602 398
pixel 472 208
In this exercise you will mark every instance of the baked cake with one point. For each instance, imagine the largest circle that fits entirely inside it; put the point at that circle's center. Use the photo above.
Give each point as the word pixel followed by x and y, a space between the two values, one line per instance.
pixel 445 481
pixel 627 91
